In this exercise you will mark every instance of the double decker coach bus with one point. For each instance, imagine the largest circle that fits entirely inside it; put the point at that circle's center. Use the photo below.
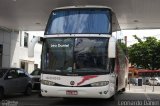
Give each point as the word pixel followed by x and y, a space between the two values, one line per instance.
pixel 80 57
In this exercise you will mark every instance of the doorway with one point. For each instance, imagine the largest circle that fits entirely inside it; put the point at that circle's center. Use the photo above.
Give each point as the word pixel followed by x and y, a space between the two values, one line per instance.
pixel 24 65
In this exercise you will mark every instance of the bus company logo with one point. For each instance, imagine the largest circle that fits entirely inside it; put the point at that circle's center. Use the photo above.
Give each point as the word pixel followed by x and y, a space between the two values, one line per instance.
pixel 72 82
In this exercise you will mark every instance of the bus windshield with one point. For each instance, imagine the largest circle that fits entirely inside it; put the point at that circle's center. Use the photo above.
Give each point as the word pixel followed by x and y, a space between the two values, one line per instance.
pixel 83 21
pixel 75 55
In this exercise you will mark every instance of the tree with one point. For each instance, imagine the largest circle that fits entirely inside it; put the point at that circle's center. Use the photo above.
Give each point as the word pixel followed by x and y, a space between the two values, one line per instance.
pixel 145 54
pixel 123 47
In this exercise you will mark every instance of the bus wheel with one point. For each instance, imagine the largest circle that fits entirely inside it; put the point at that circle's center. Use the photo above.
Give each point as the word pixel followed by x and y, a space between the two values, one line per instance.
pixel 123 89
pixel 112 98
pixel 1 93
pixel 39 94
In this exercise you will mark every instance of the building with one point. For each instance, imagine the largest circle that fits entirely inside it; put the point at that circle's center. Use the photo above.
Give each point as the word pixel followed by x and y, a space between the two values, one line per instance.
pixel 14 49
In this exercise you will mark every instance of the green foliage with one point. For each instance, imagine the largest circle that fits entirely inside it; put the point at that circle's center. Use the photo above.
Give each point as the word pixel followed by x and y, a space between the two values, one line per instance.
pixel 145 54
pixel 123 47
pixel 139 40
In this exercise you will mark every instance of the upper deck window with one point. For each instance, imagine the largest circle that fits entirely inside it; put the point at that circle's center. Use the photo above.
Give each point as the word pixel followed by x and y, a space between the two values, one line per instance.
pixel 76 21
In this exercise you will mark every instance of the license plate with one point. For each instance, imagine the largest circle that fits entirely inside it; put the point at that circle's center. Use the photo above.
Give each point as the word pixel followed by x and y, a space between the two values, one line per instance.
pixel 71 92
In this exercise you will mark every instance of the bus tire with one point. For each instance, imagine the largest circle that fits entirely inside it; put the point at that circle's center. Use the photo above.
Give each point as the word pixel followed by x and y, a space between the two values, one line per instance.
pixel 40 95
pixel 112 98
pixel 1 93
pixel 116 87
pixel 123 90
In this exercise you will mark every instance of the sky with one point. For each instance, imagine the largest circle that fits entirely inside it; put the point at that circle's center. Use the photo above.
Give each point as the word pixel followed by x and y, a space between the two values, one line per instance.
pixel 36 33
pixel 140 33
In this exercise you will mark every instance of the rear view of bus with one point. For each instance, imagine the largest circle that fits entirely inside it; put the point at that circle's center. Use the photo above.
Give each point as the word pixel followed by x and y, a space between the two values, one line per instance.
pixel 79 54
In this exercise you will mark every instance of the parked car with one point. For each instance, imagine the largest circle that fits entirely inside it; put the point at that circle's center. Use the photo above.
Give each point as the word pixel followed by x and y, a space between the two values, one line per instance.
pixel 14 80
pixel 134 81
pixel 146 80
pixel 36 79
pixel 154 81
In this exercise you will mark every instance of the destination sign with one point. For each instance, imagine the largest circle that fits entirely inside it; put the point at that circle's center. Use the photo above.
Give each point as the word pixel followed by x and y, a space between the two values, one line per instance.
pixel 59 45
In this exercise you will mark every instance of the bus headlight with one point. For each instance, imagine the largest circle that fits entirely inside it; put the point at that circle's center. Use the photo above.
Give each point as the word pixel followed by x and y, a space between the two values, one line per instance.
pixel 46 82
pixel 101 83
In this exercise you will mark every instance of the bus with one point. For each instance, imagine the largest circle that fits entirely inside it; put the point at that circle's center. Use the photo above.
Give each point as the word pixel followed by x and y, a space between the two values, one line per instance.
pixel 80 56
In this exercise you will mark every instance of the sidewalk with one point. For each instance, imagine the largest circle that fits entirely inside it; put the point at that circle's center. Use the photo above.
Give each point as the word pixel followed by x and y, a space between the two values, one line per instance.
pixel 143 89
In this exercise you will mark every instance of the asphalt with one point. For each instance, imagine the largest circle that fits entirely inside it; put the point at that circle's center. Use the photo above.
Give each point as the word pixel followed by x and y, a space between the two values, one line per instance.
pixel 135 96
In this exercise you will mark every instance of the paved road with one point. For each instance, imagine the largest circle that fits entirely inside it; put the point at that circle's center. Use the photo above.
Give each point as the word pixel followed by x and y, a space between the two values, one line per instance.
pixel 121 100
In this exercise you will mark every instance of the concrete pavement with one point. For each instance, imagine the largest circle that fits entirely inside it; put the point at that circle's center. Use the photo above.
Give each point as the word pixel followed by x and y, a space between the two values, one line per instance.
pixel 143 89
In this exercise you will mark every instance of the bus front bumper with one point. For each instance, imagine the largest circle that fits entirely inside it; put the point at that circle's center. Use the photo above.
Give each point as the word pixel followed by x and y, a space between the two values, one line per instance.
pixel 77 92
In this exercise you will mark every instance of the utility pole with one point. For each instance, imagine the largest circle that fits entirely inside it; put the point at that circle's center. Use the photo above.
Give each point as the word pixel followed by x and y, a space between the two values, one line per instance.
pixel 153 82
pixel 125 39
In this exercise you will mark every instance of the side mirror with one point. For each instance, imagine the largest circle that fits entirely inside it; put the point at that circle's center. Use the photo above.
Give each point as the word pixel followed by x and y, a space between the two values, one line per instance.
pixel 32 44
pixel 112 48
pixel 9 77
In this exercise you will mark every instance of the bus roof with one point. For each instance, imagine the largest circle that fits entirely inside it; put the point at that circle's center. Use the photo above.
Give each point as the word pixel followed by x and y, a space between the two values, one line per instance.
pixel 82 6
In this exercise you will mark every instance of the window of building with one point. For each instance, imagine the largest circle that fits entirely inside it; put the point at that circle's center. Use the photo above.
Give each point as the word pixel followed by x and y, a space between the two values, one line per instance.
pixel 26 39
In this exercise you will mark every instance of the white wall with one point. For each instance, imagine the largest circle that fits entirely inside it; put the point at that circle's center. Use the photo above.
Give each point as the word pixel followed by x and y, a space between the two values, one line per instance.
pixel 14 51
pixel 20 53
pixel 5 38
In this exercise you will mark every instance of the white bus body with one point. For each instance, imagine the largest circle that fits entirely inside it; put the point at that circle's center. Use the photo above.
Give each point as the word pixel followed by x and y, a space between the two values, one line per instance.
pixel 80 57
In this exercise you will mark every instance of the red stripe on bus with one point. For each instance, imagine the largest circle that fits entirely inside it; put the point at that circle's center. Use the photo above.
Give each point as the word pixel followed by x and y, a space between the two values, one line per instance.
pixel 85 78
